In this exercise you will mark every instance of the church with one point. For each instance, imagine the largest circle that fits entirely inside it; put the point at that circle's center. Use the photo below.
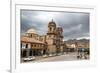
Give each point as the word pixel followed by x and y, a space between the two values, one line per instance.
pixel 33 44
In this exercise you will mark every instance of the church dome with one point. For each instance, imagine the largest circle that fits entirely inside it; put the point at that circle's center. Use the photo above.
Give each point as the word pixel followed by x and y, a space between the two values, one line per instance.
pixel 32 30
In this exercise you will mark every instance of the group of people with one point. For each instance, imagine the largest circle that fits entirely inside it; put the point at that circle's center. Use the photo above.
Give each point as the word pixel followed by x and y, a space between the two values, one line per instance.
pixel 82 54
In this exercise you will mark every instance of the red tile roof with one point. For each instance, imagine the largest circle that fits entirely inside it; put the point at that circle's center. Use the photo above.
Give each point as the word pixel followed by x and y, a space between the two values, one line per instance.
pixel 31 40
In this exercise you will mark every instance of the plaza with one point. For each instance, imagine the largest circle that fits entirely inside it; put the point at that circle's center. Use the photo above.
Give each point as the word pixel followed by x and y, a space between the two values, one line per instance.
pixel 62 57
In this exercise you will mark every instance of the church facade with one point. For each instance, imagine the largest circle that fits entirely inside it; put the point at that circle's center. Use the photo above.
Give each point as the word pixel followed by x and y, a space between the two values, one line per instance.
pixel 54 38
pixel 33 44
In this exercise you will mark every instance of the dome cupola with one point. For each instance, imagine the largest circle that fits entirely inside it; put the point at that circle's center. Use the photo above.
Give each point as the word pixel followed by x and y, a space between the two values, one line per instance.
pixel 32 30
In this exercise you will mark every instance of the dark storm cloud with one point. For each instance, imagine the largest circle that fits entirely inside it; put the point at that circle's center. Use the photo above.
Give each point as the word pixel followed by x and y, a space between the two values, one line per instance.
pixel 75 25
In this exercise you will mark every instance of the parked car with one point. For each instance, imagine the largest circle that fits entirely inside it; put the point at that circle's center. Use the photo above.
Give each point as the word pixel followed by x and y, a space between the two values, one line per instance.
pixel 50 55
pixel 30 58
pixel 45 56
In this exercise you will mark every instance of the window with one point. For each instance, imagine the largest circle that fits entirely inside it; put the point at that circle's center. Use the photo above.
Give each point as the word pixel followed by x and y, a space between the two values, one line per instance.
pixel 50 28
pixel 26 45
pixel 34 45
pixel 31 35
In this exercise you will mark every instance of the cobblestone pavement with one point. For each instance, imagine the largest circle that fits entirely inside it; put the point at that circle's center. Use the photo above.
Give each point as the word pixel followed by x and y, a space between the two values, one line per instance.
pixel 64 57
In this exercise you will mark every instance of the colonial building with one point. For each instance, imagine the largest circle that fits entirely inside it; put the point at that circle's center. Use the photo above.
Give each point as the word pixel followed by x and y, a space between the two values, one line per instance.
pixel 33 44
pixel 74 45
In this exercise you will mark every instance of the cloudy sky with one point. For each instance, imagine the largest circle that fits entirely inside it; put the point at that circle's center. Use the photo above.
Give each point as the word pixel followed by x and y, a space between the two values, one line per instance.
pixel 75 25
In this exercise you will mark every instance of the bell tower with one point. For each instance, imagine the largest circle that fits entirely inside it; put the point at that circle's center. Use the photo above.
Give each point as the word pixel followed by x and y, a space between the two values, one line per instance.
pixel 51 37
pixel 51 27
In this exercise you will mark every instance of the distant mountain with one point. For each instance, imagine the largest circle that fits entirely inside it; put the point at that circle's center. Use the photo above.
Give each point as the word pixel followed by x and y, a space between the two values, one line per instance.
pixel 73 41
pixel 81 43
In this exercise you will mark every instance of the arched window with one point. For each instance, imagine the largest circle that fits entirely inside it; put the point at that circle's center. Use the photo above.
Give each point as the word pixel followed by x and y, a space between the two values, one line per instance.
pixel 50 28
